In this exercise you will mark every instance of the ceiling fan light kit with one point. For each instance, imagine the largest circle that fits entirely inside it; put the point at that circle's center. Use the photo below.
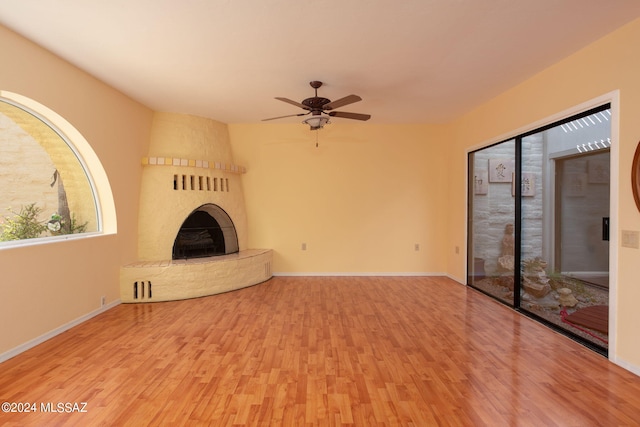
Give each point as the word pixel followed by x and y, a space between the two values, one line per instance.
pixel 316 122
pixel 320 107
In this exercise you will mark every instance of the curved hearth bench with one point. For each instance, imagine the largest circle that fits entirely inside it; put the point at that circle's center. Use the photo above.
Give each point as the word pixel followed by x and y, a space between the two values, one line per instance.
pixel 149 281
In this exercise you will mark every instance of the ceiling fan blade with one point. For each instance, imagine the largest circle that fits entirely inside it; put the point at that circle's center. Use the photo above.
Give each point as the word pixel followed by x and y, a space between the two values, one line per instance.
pixel 349 99
pixel 345 115
pixel 297 104
pixel 282 117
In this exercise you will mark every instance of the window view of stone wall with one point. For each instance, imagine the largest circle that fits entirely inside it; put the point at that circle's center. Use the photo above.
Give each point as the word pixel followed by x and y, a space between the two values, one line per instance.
pixel 44 190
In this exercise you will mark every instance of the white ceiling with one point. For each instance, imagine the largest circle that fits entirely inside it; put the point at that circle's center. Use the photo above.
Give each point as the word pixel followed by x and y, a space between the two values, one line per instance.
pixel 412 61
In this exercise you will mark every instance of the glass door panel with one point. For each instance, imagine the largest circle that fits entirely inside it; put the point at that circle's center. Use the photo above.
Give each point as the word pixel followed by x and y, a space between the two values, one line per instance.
pixel 583 212
pixel 564 227
pixel 491 220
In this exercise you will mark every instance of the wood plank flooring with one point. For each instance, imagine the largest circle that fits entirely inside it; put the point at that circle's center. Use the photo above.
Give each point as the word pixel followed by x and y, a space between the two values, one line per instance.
pixel 316 351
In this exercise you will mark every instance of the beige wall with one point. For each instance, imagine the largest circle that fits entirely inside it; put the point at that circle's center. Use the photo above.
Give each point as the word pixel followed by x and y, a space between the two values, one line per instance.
pixel 360 201
pixel 47 286
pixel 611 64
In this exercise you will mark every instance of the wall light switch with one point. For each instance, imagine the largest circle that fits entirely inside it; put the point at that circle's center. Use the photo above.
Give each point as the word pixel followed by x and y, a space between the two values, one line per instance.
pixel 631 239
pixel 417 246
pixel 304 247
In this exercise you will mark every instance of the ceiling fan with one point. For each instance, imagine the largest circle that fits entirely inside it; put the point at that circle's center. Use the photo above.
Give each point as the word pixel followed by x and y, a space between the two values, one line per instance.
pixel 320 107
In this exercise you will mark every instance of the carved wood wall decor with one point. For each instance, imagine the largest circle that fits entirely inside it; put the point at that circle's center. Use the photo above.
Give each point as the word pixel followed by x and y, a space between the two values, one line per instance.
pixel 635 176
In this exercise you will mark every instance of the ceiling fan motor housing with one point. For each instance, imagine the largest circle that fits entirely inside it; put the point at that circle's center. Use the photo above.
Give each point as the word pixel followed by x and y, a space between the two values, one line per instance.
pixel 315 103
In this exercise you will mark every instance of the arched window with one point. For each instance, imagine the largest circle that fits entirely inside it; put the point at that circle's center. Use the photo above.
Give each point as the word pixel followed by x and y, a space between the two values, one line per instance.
pixel 46 190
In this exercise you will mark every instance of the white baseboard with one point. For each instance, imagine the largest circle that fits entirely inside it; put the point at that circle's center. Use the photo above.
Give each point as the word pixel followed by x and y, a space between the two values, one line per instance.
pixel 634 369
pixel 456 279
pixel 359 274
pixel 57 331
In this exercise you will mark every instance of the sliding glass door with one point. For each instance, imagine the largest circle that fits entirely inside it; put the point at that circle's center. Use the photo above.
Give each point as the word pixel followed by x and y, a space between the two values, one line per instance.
pixel 538 224
pixel 491 217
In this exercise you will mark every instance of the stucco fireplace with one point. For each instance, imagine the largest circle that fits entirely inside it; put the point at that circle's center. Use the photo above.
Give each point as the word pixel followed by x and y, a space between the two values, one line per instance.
pixel 192 224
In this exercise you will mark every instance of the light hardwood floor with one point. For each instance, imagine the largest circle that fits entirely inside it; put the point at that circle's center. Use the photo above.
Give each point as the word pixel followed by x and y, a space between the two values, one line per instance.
pixel 321 351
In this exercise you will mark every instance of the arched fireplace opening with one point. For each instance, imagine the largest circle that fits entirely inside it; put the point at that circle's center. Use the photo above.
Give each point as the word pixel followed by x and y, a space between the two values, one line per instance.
pixel 207 231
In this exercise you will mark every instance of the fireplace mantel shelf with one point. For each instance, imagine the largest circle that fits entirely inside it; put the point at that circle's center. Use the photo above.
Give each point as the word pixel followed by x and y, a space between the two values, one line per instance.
pixel 193 163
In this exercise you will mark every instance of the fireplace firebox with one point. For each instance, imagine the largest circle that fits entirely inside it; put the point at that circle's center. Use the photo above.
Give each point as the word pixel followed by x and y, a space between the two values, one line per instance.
pixel 207 231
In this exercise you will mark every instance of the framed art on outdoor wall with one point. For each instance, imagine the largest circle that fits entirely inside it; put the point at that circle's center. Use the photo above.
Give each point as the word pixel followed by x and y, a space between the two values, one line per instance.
pixel 480 183
pixel 528 185
pixel 500 170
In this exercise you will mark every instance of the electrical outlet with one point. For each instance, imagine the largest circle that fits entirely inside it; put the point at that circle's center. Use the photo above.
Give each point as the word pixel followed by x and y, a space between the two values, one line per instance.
pixel 304 247
pixel 457 250
pixel 103 301
pixel 417 246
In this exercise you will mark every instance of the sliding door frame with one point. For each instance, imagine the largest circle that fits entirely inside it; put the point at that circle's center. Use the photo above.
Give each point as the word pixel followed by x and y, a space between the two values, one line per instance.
pixel 610 100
